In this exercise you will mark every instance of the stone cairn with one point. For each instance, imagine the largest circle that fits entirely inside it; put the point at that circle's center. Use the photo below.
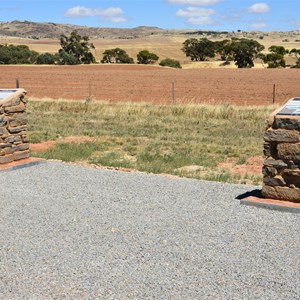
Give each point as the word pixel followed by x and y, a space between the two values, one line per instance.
pixel 13 127
pixel 281 167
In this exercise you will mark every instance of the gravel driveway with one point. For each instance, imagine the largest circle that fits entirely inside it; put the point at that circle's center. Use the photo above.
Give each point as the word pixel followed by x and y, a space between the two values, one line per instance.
pixel 73 232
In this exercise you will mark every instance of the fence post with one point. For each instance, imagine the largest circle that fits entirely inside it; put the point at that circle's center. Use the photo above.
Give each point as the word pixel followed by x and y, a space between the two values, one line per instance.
pixel 274 92
pixel 17 83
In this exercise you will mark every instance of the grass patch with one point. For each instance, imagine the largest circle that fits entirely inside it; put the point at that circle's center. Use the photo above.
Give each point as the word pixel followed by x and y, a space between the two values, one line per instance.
pixel 157 139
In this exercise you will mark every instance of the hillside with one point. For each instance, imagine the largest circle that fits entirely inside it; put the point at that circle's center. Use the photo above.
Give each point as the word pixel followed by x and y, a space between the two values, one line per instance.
pixel 27 29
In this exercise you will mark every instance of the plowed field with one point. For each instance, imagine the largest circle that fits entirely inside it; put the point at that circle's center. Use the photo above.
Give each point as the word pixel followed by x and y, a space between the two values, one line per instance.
pixel 154 84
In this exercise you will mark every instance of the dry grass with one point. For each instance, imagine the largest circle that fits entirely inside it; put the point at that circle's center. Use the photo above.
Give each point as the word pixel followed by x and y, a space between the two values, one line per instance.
pixel 157 139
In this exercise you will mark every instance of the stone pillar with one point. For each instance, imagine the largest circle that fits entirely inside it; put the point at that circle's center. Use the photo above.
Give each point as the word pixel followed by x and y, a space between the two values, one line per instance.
pixel 281 167
pixel 13 126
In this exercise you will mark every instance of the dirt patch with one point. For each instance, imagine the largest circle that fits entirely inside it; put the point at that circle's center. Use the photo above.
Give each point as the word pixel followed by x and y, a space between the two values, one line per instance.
pixel 253 166
pixel 39 147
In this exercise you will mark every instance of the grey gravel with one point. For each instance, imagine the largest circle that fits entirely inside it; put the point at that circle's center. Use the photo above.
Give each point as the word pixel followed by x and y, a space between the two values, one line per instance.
pixel 73 232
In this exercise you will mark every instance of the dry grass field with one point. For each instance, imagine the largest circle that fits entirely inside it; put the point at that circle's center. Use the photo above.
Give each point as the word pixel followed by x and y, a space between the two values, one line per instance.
pixel 153 84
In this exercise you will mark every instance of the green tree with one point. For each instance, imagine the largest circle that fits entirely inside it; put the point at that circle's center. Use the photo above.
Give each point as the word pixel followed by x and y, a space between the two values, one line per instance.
pixel 223 48
pixel 46 59
pixel 146 57
pixel 278 50
pixel 169 62
pixel 17 54
pixel 244 51
pixel 274 60
pixel 296 53
pixel 116 55
pixel 199 50
pixel 64 58
pixel 77 46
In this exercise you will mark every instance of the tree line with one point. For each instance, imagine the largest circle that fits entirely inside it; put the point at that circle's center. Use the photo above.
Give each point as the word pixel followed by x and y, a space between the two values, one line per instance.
pixel 76 49
pixel 242 51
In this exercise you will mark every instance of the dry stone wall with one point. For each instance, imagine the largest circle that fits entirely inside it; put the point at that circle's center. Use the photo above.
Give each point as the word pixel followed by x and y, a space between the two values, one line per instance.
pixel 14 143
pixel 281 168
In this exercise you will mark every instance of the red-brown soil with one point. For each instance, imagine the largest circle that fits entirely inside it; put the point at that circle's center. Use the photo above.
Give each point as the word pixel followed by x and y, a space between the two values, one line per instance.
pixel 154 84
pixel 43 146
pixel 253 166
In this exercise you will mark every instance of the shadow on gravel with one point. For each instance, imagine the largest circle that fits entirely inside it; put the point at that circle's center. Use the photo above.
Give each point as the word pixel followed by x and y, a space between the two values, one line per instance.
pixel 254 193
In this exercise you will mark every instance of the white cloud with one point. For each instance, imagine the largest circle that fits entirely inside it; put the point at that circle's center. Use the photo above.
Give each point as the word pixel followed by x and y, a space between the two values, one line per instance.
pixel 201 21
pixel 196 15
pixel 258 26
pixel 194 12
pixel 259 8
pixel 113 14
pixel 195 2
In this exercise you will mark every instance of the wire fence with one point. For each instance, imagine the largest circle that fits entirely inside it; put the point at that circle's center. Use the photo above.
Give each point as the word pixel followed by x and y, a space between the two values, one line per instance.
pixel 155 85
pixel 164 93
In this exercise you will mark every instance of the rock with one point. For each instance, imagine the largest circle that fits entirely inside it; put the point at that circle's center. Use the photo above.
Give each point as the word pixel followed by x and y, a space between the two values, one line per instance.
pixel 6 159
pixel 17 108
pixel 25 139
pixel 18 120
pixel 10 139
pixel 276 163
pixel 289 151
pixel 282 136
pixel 281 193
pixel 3 131
pixel 274 181
pixel 17 129
pixel 269 171
pixel 4 145
pixel 20 155
pixel 270 149
pixel 287 123
pixel 23 147
pixel 15 101
pixel 3 121
pixel 9 150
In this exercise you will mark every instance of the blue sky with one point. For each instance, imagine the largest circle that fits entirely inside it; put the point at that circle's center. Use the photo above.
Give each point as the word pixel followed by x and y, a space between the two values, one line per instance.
pixel 272 15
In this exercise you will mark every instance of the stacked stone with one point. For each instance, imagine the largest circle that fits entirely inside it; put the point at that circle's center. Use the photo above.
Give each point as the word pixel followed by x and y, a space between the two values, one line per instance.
pixel 281 168
pixel 13 128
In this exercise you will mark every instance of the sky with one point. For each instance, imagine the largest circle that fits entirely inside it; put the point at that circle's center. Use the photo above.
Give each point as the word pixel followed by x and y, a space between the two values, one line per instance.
pixel 223 15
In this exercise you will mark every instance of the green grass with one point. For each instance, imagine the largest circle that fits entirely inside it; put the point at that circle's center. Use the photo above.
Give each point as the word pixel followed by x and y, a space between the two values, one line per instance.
pixel 157 139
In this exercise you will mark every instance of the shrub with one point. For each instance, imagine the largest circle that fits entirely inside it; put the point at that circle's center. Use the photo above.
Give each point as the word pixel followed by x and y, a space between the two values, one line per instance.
pixel 169 62
pixel 46 59
pixel 146 57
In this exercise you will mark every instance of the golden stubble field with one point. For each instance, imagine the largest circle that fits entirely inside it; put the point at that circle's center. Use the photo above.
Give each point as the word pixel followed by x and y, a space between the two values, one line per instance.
pixel 163 45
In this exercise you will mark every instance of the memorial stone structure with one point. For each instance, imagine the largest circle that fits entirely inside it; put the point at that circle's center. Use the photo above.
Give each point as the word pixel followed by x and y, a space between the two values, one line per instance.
pixel 281 167
pixel 13 126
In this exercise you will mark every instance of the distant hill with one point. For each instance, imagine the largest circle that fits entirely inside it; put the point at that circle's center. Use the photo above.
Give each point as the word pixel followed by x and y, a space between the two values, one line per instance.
pixel 28 29
pixel 42 30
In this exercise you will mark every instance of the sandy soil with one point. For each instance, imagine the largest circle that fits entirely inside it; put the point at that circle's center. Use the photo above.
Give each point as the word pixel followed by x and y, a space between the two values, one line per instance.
pixel 154 84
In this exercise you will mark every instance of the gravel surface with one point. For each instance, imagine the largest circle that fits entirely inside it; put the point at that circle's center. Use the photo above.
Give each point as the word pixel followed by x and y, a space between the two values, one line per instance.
pixel 73 232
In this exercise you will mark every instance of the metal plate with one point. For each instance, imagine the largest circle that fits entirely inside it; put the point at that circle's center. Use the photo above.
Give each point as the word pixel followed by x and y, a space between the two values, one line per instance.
pixel 6 93
pixel 291 108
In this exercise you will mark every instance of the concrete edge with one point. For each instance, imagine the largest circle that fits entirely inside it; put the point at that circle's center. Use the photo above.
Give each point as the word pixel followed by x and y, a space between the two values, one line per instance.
pixel 284 206
pixel 21 165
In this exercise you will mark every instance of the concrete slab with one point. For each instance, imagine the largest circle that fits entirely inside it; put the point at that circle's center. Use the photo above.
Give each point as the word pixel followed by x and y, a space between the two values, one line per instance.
pixel 280 205
pixel 22 163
